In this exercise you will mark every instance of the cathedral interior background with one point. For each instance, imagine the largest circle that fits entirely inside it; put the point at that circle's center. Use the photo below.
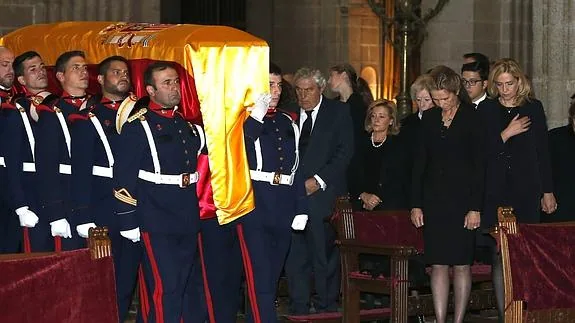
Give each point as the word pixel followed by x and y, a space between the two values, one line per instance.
pixel 322 33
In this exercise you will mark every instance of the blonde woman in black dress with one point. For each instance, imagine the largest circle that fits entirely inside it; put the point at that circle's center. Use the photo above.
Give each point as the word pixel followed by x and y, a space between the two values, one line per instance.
pixel 518 165
pixel 447 189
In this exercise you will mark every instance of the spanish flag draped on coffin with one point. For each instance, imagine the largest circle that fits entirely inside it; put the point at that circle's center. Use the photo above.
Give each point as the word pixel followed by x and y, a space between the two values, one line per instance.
pixel 222 69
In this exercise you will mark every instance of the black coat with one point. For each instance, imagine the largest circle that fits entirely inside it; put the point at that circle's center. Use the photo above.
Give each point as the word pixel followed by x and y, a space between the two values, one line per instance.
pixel 562 153
pixel 518 171
pixel 449 169
pixel 383 171
pixel 447 183
pixel 328 155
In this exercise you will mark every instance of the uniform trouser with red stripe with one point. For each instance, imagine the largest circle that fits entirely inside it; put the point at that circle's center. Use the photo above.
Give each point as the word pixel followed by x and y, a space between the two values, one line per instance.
pixel 38 239
pixel 167 263
pixel 127 256
pixel 219 273
pixel 264 250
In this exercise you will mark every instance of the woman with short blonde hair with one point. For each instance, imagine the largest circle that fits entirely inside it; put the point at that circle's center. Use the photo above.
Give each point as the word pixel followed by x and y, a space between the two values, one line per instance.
pixel 511 67
pixel 382 170
pixel 391 110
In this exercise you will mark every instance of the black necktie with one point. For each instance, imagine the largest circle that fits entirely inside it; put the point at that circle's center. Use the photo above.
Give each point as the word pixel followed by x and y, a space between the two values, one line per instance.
pixel 305 133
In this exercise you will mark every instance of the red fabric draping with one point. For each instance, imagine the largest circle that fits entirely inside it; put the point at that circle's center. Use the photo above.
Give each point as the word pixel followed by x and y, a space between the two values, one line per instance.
pixel 189 106
pixel 387 228
pixel 543 266
pixel 66 287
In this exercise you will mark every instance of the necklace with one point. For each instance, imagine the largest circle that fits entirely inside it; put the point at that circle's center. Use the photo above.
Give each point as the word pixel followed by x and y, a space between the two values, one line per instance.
pixel 377 145
pixel 447 120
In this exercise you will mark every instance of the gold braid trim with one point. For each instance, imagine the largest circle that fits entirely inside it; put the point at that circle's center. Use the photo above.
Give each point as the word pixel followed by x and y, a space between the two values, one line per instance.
pixel 138 114
pixel 125 196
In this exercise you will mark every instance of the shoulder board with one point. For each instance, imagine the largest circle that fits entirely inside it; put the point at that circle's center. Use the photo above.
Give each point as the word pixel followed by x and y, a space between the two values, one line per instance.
pixel 50 100
pixel 137 115
pixel 93 100
pixel 44 108
pixel 77 117
pixel 8 106
pixel 291 115
pixel 17 98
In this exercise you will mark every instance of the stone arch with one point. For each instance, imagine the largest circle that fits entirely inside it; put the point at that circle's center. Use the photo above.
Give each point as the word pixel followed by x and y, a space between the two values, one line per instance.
pixel 369 74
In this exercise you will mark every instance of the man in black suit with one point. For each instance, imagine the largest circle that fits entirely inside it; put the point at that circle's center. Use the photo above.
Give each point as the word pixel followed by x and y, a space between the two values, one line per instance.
pixel 326 147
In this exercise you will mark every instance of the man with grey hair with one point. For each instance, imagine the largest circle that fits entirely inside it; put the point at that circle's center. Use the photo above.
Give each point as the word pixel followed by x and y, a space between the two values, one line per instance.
pixel 326 147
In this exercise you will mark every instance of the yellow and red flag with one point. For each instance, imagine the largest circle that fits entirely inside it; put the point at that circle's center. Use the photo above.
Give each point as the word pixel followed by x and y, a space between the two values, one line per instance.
pixel 222 70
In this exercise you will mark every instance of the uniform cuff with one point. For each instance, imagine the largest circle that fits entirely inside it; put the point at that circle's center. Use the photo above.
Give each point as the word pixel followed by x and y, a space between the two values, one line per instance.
pixel 128 220
pixel 322 184
pixel 81 216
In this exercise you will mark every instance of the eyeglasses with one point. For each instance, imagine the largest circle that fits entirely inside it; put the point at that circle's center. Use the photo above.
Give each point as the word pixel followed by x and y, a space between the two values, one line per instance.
pixel 471 82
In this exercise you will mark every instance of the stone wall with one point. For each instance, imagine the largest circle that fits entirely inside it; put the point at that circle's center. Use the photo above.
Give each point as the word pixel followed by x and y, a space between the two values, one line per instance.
pixel 538 34
pixel 19 13
pixel 553 57
pixel 318 33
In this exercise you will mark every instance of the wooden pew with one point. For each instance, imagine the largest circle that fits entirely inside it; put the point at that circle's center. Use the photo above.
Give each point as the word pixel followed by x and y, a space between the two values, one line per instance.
pixel 399 240
pixel 528 250
pixel 60 287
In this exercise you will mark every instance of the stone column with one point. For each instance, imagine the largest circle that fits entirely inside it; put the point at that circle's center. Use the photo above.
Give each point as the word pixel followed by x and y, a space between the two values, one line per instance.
pixel 300 32
pixel 449 35
pixel 553 58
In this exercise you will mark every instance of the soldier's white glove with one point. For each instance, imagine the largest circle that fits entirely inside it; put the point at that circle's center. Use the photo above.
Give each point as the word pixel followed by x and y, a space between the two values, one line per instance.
pixel 61 228
pixel 133 235
pixel 84 229
pixel 299 222
pixel 260 107
pixel 27 218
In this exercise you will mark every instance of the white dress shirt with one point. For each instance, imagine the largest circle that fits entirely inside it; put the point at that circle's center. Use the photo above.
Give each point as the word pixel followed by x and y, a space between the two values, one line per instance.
pixel 302 119
pixel 481 98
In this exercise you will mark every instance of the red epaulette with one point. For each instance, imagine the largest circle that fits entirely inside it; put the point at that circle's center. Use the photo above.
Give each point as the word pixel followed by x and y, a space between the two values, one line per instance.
pixel 43 108
pixel 77 117
pixel 292 114
pixel 6 105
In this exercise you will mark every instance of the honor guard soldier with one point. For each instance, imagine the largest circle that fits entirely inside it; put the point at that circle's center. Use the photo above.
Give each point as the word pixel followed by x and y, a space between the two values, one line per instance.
pixel 271 138
pixel 37 104
pixel 54 130
pixel 94 145
pixel 10 233
pixel 155 175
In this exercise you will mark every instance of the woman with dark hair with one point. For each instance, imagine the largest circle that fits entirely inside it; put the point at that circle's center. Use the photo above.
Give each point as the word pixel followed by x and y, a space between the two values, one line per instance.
pixel 343 81
pixel 518 164
pixel 447 189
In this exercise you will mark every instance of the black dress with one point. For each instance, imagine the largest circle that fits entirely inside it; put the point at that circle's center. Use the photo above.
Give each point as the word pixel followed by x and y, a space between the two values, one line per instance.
pixel 447 183
pixel 519 170
pixel 383 171
pixel 562 153
pixel 357 110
